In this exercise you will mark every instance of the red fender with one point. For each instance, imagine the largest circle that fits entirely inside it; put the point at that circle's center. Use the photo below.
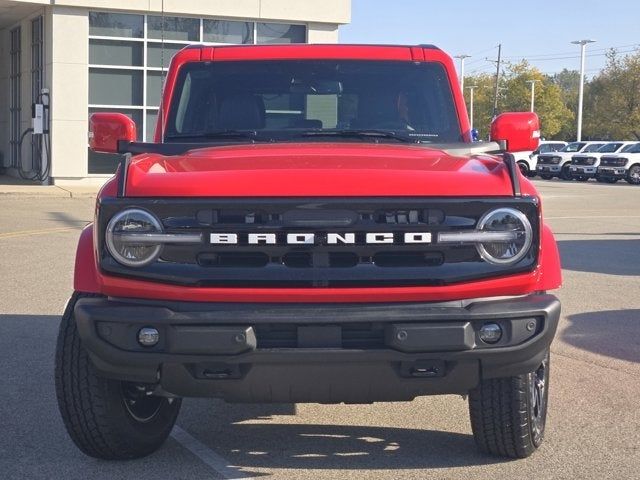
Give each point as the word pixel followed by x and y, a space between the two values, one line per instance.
pixel 86 277
pixel 549 266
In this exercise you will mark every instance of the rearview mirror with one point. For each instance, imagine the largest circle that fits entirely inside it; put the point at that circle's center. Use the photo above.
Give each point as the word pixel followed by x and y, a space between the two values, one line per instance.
pixel 516 131
pixel 106 130
pixel 315 87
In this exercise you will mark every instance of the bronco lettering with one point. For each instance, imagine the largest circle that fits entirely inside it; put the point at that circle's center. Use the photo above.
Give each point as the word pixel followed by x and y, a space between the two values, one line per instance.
pixel 313 238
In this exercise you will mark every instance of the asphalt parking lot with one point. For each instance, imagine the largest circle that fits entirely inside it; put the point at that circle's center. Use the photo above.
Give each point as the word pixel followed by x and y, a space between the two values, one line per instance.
pixel 593 429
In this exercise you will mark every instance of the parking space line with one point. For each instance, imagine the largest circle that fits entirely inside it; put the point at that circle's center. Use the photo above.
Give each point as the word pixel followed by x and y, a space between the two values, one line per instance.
pixel 26 233
pixel 208 456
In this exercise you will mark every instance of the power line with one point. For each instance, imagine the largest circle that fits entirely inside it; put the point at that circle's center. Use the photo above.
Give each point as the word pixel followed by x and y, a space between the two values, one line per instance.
pixel 566 55
pixel 484 51
pixel 490 64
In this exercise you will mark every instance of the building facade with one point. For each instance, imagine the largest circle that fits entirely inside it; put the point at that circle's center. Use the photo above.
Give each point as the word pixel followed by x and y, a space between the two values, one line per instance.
pixel 76 57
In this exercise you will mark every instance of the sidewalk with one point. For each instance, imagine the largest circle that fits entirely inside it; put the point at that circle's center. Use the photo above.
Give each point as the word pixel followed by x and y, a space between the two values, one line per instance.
pixel 11 186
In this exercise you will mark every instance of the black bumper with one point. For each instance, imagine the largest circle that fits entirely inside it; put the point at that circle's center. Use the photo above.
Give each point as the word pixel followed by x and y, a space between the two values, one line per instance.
pixel 619 175
pixel 325 353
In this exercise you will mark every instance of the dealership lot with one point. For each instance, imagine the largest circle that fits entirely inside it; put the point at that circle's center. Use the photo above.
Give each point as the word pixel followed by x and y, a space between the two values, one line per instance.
pixel 595 385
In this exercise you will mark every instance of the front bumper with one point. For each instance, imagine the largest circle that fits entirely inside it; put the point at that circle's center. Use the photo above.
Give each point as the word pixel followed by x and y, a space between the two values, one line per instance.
pixel 547 169
pixel 612 172
pixel 583 171
pixel 327 353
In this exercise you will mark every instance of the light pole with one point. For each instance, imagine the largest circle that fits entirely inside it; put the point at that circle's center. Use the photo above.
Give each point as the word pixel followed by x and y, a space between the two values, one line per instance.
pixel 533 92
pixel 583 44
pixel 471 89
pixel 462 58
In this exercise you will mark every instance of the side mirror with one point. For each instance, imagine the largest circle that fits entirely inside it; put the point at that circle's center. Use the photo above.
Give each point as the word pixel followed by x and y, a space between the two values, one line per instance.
pixel 107 129
pixel 516 131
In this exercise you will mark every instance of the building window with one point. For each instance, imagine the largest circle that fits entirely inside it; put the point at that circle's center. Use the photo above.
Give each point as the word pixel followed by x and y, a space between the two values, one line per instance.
pixel 281 33
pixel 15 94
pixel 223 31
pixel 127 61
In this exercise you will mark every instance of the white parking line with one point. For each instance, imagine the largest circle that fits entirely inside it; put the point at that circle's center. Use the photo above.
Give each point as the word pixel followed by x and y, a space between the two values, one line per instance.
pixel 208 456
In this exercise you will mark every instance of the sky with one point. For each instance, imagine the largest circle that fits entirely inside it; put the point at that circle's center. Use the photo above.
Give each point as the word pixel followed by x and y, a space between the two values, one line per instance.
pixel 540 31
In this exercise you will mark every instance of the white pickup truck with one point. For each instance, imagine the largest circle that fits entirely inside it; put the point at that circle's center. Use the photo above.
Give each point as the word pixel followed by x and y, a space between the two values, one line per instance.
pixel 621 165
pixel 557 164
pixel 528 160
pixel 585 165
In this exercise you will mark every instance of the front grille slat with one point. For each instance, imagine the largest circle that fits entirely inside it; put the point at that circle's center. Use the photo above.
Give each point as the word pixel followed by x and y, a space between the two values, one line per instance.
pixel 361 336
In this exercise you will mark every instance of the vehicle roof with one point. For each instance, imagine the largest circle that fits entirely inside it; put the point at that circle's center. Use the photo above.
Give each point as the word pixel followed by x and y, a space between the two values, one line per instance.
pixel 302 51
pixel 312 45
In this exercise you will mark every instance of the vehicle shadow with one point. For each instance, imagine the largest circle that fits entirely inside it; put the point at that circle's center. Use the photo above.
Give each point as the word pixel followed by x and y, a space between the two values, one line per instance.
pixel 67 219
pixel 611 257
pixel 295 446
pixel 614 333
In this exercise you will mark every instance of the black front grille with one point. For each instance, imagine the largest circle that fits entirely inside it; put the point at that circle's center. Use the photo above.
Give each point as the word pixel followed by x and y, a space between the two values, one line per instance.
pixel 545 159
pixel 583 160
pixel 321 264
pixel 613 162
pixel 359 336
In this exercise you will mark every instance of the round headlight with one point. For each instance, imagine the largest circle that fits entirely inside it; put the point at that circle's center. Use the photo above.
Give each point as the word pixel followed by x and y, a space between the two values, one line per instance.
pixel 512 247
pixel 121 241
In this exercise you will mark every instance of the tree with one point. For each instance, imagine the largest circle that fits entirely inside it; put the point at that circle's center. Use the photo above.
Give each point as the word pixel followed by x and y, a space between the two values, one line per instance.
pixel 568 81
pixel 515 95
pixel 612 99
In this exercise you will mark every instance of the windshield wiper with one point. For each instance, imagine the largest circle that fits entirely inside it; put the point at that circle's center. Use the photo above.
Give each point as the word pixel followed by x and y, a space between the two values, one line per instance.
pixel 369 133
pixel 221 134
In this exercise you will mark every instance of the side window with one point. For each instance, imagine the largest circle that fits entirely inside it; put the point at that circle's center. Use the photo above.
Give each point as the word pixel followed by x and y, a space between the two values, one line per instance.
pixel 322 111
pixel 285 110
pixel 183 104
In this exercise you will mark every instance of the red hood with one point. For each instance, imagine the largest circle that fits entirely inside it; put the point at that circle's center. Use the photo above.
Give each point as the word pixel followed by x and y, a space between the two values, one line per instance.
pixel 316 170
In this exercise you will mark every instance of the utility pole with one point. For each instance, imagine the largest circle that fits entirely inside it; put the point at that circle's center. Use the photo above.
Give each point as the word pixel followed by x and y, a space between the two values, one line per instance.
pixel 583 44
pixel 533 92
pixel 462 58
pixel 495 93
pixel 471 89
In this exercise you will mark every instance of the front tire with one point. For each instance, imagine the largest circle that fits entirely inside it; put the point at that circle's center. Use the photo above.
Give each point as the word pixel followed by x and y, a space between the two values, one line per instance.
pixel 565 173
pixel 107 419
pixel 546 177
pixel 633 177
pixel 524 169
pixel 508 415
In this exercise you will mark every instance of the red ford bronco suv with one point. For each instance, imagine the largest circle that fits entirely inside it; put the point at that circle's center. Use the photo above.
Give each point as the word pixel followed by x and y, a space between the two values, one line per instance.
pixel 311 224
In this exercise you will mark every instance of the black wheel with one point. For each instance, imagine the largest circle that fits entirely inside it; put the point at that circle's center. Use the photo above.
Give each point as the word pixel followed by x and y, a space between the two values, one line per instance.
pixel 105 418
pixel 582 179
pixel 508 415
pixel 546 177
pixel 633 176
pixel 565 173
pixel 524 168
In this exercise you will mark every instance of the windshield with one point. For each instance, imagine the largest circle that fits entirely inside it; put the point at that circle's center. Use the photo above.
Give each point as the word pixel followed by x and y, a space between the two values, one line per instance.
pixel 593 147
pixel 610 148
pixel 573 147
pixel 305 99
pixel 550 147
pixel 630 148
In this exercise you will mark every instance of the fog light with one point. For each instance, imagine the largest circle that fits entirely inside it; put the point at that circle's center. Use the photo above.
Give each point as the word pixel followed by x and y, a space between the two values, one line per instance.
pixel 490 333
pixel 148 336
